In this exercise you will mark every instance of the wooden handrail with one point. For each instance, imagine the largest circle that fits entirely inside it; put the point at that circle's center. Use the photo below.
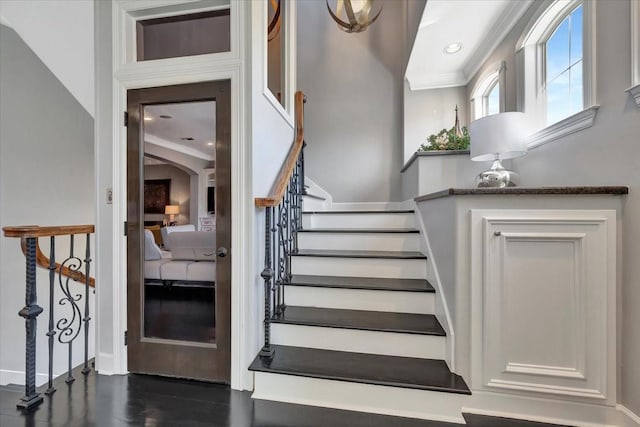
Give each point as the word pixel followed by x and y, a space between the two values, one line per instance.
pixel 25 231
pixel 34 231
pixel 280 186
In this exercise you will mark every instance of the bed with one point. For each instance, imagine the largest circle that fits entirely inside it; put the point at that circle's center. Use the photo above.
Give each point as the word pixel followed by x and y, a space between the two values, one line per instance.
pixel 188 259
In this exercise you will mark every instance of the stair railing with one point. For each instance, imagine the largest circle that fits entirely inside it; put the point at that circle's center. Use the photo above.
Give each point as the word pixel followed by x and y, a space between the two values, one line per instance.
pixel 283 220
pixel 67 327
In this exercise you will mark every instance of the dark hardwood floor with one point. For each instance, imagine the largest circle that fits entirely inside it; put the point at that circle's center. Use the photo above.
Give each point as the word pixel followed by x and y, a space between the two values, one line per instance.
pixel 139 400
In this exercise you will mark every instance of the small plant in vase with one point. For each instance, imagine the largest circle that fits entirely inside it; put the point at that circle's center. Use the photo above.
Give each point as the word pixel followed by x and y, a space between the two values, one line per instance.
pixel 455 138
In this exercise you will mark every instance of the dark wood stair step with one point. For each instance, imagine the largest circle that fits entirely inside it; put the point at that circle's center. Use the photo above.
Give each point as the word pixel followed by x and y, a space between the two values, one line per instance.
pixel 358 230
pixel 397 211
pixel 369 283
pixel 360 254
pixel 394 371
pixel 382 321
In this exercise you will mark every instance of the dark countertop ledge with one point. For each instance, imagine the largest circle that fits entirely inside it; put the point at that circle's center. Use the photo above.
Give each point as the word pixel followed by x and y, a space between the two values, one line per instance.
pixel 526 191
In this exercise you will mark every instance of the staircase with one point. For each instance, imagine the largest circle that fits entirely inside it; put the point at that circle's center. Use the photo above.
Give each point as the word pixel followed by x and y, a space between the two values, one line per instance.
pixel 358 330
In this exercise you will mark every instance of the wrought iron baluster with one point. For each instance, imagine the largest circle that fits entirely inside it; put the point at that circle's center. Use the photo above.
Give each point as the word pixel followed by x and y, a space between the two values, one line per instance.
pixel 30 312
pixel 51 332
pixel 267 275
pixel 87 318
pixel 69 327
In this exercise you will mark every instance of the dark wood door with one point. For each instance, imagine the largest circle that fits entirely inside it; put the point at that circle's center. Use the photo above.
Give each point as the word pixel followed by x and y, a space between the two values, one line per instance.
pixel 180 356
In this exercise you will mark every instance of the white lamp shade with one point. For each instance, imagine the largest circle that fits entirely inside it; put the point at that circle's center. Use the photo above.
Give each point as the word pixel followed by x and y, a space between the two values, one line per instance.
pixel 503 134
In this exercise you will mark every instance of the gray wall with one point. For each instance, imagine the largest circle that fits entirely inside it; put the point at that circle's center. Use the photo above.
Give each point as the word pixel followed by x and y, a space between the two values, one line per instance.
pixel 354 86
pixel 180 191
pixel 429 111
pixel 46 178
pixel 607 153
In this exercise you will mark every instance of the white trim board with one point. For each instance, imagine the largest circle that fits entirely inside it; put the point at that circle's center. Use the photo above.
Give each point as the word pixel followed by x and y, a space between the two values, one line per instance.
pixel 128 75
pixel 8 376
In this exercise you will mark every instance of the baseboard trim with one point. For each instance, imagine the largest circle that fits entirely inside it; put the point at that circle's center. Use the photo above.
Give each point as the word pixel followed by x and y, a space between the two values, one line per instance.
pixel 552 411
pixel 17 377
pixel 104 364
pixel 632 418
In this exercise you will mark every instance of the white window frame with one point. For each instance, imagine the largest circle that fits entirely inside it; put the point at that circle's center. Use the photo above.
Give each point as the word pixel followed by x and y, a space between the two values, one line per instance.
pixel 492 76
pixel 634 90
pixel 531 70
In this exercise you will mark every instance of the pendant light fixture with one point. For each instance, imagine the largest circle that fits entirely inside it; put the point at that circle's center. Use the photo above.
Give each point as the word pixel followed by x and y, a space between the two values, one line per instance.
pixel 354 16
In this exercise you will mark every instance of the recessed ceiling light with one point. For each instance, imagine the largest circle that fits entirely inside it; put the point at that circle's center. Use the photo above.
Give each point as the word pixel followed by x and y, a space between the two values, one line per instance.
pixel 148 119
pixel 209 143
pixel 453 48
pixel 164 116
pixel 188 138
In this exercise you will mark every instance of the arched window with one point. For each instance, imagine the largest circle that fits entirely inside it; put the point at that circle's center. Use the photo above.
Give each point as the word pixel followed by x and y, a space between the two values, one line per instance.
pixel 487 97
pixel 563 68
pixel 556 58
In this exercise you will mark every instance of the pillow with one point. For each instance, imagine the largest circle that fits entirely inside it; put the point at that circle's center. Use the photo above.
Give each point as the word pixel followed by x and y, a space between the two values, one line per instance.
pixel 165 231
pixel 151 250
pixel 157 235
pixel 193 245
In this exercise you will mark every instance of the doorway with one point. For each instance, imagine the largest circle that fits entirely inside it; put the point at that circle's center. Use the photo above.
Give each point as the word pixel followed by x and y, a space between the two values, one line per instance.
pixel 179 231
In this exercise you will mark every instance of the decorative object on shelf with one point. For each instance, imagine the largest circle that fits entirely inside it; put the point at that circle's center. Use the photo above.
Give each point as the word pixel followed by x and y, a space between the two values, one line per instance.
pixel 498 137
pixel 456 138
pixel 355 16
pixel 172 211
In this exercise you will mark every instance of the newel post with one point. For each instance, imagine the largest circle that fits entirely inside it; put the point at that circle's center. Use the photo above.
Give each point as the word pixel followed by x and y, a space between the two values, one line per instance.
pixel 30 312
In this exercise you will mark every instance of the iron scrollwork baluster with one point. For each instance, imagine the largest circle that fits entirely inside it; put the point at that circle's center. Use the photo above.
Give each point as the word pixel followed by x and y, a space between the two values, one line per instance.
pixel 69 327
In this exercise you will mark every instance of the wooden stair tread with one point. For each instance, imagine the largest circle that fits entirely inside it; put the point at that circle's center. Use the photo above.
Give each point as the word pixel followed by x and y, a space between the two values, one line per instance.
pixel 358 230
pixel 399 211
pixel 333 253
pixel 382 321
pixel 370 283
pixel 394 371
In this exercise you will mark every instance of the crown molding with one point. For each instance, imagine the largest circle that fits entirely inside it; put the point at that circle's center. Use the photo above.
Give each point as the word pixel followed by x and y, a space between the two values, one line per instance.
pixel 152 139
pixel 437 81
pixel 505 22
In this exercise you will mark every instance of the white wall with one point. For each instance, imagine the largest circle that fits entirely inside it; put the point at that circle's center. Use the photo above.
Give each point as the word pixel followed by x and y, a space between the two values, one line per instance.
pixel 61 34
pixel 46 178
pixel 429 111
pixel 354 84
pixel 607 153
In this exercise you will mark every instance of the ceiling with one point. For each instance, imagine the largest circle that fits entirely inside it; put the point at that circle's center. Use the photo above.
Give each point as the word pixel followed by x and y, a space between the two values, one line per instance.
pixel 478 25
pixel 195 120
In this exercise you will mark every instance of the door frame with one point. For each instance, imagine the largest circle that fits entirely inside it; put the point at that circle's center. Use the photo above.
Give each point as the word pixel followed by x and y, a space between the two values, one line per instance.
pixel 208 361
pixel 174 71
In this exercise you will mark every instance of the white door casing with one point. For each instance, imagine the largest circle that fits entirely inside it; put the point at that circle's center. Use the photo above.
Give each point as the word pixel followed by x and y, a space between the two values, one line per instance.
pixel 129 74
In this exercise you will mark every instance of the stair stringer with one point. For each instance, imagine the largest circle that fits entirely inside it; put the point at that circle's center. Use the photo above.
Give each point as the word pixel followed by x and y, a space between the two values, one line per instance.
pixel 441 308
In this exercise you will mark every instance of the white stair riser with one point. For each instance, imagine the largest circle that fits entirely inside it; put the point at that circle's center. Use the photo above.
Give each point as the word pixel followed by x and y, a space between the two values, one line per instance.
pixel 359 220
pixel 358 341
pixel 313 204
pixel 360 241
pixel 361 299
pixel 360 267
pixel 375 399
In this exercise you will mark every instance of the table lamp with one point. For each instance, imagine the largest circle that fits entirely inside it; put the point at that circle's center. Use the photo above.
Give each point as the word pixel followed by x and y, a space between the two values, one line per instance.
pixel 172 211
pixel 498 137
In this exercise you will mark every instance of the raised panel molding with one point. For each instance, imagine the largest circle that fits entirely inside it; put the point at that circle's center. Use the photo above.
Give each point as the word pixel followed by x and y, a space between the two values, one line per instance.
pixel 545 300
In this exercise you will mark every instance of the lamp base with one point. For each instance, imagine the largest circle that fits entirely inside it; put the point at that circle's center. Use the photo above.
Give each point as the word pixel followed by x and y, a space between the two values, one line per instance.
pixel 497 177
